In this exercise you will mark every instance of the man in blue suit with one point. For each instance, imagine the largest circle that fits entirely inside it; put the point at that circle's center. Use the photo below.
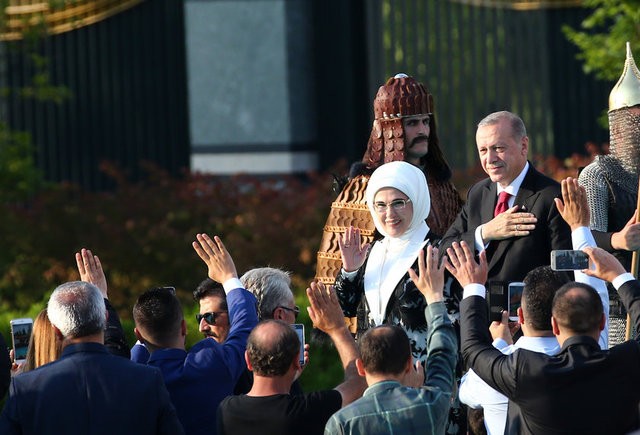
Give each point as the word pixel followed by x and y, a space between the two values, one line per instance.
pixel 87 391
pixel 200 378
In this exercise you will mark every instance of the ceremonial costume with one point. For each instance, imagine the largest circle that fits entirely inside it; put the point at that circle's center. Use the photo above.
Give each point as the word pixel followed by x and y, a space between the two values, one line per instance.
pixel 400 97
pixel 611 181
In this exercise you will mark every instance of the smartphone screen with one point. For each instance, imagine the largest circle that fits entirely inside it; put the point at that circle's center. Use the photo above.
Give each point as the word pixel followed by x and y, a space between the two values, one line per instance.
pixel 299 327
pixel 515 299
pixel 20 335
pixel 569 260
pixel 498 300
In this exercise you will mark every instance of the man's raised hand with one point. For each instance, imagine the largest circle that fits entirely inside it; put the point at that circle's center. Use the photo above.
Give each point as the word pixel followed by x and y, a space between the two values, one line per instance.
pixel 214 254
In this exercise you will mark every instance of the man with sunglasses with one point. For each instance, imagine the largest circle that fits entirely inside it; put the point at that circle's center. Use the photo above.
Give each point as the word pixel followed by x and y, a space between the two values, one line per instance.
pixel 213 319
pixel 199 379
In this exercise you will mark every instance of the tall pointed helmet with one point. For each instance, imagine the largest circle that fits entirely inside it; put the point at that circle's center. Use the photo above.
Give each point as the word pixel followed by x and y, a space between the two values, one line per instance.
pixel 626 93
pixel 399 97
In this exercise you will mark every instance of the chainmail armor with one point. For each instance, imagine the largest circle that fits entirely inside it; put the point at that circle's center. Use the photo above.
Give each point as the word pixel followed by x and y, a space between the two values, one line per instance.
pixel 611 183
pixel 624 138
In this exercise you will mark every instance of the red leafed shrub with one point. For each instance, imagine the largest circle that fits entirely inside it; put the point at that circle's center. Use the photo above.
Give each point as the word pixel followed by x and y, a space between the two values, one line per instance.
pixel 143 231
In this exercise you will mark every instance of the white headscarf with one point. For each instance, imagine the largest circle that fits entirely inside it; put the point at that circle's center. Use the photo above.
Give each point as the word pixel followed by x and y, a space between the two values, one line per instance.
pixel 390 259
pixel 409 180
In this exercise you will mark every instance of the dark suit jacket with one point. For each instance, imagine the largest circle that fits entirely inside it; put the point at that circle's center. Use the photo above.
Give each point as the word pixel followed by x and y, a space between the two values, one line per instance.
pixel 511 259
pixel 5 368
pixel 88 391
pixel 582 390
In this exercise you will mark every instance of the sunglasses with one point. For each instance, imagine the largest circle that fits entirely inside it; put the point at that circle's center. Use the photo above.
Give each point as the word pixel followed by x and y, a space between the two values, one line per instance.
pixel 210 318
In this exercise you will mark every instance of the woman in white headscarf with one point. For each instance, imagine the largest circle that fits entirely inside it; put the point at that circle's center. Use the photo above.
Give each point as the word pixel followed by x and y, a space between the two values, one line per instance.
pixel 374 284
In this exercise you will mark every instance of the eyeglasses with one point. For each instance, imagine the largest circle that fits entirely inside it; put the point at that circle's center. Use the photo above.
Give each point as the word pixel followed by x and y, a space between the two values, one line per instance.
pixel 396 204
pixel 295 310
pixel 210 318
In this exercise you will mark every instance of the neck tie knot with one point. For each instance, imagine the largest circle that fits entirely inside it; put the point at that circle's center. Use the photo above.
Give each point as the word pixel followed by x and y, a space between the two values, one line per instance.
pixel 503 203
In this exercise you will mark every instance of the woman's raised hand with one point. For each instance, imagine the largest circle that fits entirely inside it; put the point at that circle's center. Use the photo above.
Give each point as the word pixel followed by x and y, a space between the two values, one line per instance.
pixel 353 251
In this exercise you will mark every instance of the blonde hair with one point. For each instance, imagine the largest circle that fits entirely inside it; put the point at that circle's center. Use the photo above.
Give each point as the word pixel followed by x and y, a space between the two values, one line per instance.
pixel 43 346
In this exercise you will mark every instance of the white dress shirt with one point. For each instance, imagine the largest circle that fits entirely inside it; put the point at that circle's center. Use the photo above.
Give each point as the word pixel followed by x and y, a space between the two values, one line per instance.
pixel 512 189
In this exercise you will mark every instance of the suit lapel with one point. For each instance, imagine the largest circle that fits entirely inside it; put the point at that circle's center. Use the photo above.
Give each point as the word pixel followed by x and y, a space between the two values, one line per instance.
pixel 488 204
pixel 526 198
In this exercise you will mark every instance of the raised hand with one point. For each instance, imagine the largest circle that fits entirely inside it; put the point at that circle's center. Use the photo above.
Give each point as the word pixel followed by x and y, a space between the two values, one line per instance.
pixel 430 277
pixel 511 223
pixel 324 310
pixel 353 251
pixel 90 270
pixel 214 254
pixel 414 378
pixel 463 266
pixel 573 207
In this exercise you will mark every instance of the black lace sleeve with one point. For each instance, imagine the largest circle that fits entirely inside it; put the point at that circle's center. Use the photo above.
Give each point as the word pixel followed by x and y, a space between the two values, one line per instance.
pixel 350 291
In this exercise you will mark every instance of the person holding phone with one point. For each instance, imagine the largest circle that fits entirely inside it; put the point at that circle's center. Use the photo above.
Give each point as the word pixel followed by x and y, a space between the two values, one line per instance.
pixel 43 346
pixel 275 300
pixel 102 390
pixel 273 350
pixel 534 314
pixel 534 318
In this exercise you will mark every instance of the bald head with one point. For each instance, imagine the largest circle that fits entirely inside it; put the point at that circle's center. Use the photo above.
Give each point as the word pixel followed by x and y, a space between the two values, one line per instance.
pixel 272 347
pixel 577 308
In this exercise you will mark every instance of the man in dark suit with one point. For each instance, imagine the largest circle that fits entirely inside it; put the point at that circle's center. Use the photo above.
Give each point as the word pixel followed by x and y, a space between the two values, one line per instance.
pixel 5 368
pixel 87 391
pixel 511 214
pixel 582 389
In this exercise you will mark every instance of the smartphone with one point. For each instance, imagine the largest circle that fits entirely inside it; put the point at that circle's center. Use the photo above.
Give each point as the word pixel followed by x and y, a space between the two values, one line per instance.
pixel 20 335
pixel 299 327
pixel 515 299
pixel 498 296
pixel 569 260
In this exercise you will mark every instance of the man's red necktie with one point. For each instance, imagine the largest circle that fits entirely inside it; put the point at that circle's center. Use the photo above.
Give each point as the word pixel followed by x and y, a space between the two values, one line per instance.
pixel 503 203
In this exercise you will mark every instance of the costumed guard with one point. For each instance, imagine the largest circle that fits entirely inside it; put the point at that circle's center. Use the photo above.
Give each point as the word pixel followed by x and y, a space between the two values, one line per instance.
pixel 611 181
pixel 400 97
pixel 400 101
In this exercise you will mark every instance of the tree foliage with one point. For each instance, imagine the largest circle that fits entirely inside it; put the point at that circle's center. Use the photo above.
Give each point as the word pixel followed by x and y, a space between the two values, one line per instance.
pixel 603 34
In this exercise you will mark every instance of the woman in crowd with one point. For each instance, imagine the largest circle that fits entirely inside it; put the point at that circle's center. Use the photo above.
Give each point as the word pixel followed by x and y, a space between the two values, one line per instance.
pixel 374 284
pixel 43 346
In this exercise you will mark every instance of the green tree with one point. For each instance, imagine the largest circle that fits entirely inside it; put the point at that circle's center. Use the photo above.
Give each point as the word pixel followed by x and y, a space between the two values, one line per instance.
pixel 603 34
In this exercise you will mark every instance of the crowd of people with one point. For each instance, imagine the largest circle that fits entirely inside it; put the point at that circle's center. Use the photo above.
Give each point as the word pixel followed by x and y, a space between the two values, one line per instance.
pixel 424 357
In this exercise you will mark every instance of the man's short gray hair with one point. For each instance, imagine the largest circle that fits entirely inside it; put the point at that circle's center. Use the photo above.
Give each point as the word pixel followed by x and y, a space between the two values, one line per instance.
pixel 270 287
pixel 77 309
pixel 517 125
